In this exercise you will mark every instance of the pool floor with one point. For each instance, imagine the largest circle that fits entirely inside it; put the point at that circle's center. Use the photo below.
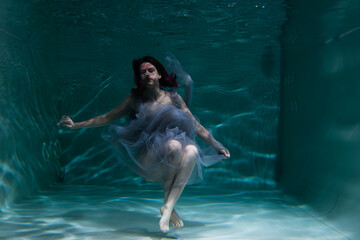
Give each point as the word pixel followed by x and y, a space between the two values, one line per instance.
pixel 132 212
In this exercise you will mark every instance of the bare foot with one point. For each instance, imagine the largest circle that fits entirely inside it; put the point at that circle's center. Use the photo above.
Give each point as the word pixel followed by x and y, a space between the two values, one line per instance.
pixel 175 220
pixel 165 219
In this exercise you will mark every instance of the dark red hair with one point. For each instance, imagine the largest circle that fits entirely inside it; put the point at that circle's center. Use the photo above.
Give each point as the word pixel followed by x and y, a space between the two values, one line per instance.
pixel 166 80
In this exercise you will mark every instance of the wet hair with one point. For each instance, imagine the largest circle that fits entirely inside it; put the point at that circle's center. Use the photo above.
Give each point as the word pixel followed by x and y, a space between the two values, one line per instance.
pixel 166 80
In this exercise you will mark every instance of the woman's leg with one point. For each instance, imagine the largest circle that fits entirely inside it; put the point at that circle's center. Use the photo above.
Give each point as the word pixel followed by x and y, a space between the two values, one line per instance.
pixel 176 184
pixel 174 153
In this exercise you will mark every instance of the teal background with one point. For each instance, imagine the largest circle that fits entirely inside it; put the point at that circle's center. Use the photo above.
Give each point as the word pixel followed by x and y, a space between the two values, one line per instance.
pixel 320 132
pixel 275 81
pixel 74 58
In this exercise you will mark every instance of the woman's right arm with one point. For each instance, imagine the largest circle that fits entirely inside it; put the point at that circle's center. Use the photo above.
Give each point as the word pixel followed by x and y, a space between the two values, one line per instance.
pixel 125 107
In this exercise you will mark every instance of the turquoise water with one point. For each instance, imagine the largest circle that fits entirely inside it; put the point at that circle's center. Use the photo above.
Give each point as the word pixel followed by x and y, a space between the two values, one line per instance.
pixel 61 57
pixel 74 57
pixel 94 63
pixel 124 212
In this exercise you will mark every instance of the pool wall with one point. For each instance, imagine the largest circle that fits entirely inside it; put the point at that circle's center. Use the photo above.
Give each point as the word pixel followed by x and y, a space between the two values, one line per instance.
pixel 49 67
pixel 74 58
pixel 29 145
pixel 320 117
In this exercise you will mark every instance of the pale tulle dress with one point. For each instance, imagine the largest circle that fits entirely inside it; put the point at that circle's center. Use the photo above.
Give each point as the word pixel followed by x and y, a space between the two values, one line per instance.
pixel 154 126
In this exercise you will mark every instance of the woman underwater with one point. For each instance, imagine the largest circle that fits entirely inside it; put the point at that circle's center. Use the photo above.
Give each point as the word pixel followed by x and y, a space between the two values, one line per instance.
pixel 160 138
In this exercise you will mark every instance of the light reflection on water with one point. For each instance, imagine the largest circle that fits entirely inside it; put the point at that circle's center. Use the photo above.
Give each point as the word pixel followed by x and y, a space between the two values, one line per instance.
pixel 132 212
pixel 74 57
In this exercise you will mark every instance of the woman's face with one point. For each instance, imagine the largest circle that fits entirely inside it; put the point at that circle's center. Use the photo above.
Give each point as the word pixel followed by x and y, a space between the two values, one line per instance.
pixel 149 74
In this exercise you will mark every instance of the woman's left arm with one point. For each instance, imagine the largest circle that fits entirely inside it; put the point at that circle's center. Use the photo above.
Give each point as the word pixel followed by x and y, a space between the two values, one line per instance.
pixel 202 133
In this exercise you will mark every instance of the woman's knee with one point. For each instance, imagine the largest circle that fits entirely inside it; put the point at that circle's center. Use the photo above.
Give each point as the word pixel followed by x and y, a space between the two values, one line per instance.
pixel 174 147
pixel 191 151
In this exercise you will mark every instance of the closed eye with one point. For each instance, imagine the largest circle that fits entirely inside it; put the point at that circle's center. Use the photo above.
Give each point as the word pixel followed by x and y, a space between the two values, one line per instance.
pixel 150 70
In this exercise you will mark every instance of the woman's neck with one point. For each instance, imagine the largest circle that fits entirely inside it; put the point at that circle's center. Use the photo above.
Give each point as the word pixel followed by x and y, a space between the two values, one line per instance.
pixel 153 94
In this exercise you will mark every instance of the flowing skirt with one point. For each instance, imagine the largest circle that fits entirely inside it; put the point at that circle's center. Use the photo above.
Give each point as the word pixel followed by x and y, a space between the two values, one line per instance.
pixel 147 135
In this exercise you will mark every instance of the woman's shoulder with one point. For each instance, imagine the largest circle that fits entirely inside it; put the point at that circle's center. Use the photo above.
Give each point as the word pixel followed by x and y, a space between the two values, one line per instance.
pixel 133 101
pixel 172 93
pixel 130 99
pixel 175 98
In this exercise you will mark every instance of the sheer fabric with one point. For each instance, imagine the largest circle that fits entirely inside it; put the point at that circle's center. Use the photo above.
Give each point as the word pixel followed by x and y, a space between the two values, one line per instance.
pixel 147 135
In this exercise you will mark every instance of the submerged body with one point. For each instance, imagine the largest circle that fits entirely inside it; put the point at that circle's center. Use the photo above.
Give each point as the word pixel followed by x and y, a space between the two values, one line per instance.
pixel 156 130
pixel 160 140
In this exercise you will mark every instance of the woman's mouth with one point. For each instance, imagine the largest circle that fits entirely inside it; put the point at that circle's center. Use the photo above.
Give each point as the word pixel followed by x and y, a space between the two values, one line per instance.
pixel 148 80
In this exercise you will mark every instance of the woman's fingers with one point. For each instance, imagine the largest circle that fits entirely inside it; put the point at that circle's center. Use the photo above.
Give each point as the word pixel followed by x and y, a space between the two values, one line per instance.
pixel 63 119
pixel 225 152
pixel 66 122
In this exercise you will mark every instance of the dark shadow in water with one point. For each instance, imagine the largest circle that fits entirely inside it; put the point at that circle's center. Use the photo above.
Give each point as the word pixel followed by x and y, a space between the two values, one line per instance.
pixel 268 61
pixel 143 232
pixel 156 235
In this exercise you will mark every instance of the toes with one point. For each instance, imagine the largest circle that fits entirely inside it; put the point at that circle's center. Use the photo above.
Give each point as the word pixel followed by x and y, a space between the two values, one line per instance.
pixel 177 223
pixel 181 224
pixel 175 220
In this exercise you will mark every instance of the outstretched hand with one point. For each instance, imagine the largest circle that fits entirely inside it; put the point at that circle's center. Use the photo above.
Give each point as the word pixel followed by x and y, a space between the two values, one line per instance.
pixel 66 122
pixel 224 151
